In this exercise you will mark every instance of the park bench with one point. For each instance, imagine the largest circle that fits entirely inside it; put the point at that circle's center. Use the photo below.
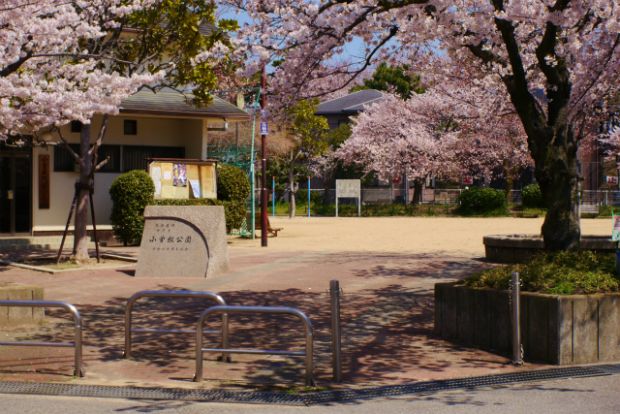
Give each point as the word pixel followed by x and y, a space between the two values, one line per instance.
pixel 270 230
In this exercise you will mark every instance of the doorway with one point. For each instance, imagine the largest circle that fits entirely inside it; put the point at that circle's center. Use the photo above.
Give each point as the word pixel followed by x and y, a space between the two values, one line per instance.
pixel 15 190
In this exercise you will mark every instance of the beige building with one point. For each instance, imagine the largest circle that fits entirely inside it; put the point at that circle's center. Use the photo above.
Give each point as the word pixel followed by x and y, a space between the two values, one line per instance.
pixel 37 183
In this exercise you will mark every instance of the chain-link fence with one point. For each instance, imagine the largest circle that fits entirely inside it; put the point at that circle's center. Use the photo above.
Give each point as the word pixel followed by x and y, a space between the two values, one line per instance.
pixel 591 201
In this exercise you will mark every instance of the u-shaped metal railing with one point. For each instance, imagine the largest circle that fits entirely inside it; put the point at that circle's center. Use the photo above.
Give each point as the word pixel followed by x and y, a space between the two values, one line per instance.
pixel 227 310
pixel 170 294
pixel 77 320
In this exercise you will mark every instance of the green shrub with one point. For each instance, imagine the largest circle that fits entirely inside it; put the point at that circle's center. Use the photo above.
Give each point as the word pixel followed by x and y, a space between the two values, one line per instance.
pixel 131 192
pixel 531 196
pixel 482 201
pixel 232 183
pixel 563 273
pixel 234 211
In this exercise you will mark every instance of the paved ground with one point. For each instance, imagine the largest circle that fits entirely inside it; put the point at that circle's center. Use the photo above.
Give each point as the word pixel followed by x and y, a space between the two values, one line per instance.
pixel 386 266
pixel 571 396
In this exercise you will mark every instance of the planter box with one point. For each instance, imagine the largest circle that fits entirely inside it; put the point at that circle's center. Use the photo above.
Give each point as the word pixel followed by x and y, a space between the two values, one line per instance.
pixel 519 248
pixel 560 330
pixel 14 316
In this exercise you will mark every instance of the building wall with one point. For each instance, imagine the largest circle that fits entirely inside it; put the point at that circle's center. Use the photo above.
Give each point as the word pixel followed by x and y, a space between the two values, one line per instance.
pixel 152 131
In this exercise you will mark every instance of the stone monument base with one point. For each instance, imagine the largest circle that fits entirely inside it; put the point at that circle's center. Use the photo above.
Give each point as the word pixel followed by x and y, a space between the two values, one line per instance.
pixel 183 241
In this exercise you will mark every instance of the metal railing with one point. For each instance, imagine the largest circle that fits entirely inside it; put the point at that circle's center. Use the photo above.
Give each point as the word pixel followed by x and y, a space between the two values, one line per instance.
pixel 170 294
pixel 77 319
pixel 308 353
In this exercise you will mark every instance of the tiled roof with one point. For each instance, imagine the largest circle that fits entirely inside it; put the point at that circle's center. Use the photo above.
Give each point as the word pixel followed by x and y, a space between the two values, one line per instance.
pixel 350 104
pixel 172 103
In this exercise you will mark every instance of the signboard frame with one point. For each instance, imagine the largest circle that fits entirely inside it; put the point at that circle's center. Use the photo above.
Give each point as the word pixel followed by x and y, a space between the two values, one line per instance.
pixel 349 189
pixel 179 178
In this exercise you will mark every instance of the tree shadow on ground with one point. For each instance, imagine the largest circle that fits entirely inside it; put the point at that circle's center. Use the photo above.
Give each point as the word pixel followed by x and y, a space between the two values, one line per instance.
pixel 386 337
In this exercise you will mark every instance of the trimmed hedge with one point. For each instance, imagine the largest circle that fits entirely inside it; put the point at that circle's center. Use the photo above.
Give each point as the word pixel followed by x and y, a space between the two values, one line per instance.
pixel 562 273
pixel 232 183
pixel 233 210
pixel 531 196
pixel 482 201
pixel 131 192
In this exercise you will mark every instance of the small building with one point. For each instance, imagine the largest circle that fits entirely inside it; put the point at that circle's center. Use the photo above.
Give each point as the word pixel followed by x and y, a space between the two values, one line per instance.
pixel 338 111
pixel 37 182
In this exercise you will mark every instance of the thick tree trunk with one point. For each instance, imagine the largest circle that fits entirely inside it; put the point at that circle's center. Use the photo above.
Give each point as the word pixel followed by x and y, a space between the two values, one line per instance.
pixel 558 177
pixel 80 234
pixel 418 187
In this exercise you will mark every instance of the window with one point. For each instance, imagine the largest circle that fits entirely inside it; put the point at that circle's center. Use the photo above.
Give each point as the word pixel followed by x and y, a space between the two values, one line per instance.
pixel 135 157
pixel 64 162
pixel 63 159
pixel 76 126
pixel 130 127
pixel 112 151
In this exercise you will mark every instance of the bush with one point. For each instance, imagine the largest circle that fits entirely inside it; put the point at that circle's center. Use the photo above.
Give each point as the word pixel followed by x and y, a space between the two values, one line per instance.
pixel 233 210
pixel 482 201
pixel 131 192
pixel 563 273
pixel 232 184
pixel 531 196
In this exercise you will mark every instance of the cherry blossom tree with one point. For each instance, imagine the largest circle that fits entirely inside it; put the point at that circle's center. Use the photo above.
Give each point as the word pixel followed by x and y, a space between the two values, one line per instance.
pixel 435 135
pixel 555 61
pixel 64 60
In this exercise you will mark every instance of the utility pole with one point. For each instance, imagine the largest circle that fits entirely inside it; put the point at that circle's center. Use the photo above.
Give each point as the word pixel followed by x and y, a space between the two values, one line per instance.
pixel 263 149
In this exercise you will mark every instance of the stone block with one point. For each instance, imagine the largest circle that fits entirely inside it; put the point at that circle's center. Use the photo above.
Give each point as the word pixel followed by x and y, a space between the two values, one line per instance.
pixel 183 241
pixel 585 329
pixel 482 337
pixel 609 328
pixel 12 315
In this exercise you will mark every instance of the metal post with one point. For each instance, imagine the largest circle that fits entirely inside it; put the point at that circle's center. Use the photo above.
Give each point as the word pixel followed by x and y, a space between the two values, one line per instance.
pixel 263 148
pixel 517 356
pixel 77 323
pixel 309 336
pixel 308 196
pixel 170 294
pixel 334 293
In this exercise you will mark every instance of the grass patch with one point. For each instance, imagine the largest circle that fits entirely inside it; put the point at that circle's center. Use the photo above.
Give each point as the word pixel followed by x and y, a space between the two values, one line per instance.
pixel 562 273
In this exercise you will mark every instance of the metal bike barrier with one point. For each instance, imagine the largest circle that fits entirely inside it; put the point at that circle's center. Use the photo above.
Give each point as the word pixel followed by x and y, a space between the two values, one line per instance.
pixel 308 353
pixel 170 294
pixel 77 319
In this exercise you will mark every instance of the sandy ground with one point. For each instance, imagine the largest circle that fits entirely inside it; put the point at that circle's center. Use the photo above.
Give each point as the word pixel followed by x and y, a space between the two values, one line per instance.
pixel 450 235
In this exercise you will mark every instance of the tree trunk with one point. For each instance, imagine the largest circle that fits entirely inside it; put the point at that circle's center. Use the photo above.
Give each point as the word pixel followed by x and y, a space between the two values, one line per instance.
pixel 418 188
pixel 80 234
pixel 558 177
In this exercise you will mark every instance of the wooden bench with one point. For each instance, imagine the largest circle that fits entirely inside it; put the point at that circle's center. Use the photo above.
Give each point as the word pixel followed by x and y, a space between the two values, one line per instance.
pixel 270 230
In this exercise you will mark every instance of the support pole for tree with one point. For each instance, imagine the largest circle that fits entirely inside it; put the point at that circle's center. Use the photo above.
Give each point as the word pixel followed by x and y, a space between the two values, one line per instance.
pixel 263 147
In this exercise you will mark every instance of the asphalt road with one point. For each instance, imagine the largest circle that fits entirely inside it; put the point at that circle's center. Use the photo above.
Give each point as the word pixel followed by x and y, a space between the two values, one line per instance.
pixel 580 396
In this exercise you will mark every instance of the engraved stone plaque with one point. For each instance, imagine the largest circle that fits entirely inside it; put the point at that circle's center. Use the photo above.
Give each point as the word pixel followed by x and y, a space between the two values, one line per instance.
pixel 183 241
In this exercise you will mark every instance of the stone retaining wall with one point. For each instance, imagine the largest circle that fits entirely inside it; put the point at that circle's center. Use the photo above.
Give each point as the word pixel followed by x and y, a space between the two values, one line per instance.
pixel 555 329
pixel 13 316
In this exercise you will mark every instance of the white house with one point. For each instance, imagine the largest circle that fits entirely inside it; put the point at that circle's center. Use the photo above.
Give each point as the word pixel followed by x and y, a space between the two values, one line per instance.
pixel 37 183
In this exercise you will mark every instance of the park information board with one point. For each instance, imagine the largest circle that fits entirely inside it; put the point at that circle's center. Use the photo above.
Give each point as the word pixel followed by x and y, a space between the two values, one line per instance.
pixel 183 178
pixel 349 189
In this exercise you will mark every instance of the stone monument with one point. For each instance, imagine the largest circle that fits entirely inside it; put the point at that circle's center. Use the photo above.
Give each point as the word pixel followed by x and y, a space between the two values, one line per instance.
pixel 183 241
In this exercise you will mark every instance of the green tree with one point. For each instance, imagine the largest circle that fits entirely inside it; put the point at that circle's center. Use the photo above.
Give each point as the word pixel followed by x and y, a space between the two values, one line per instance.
pixel 311 135
pixel 396 79
pixel 169 36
